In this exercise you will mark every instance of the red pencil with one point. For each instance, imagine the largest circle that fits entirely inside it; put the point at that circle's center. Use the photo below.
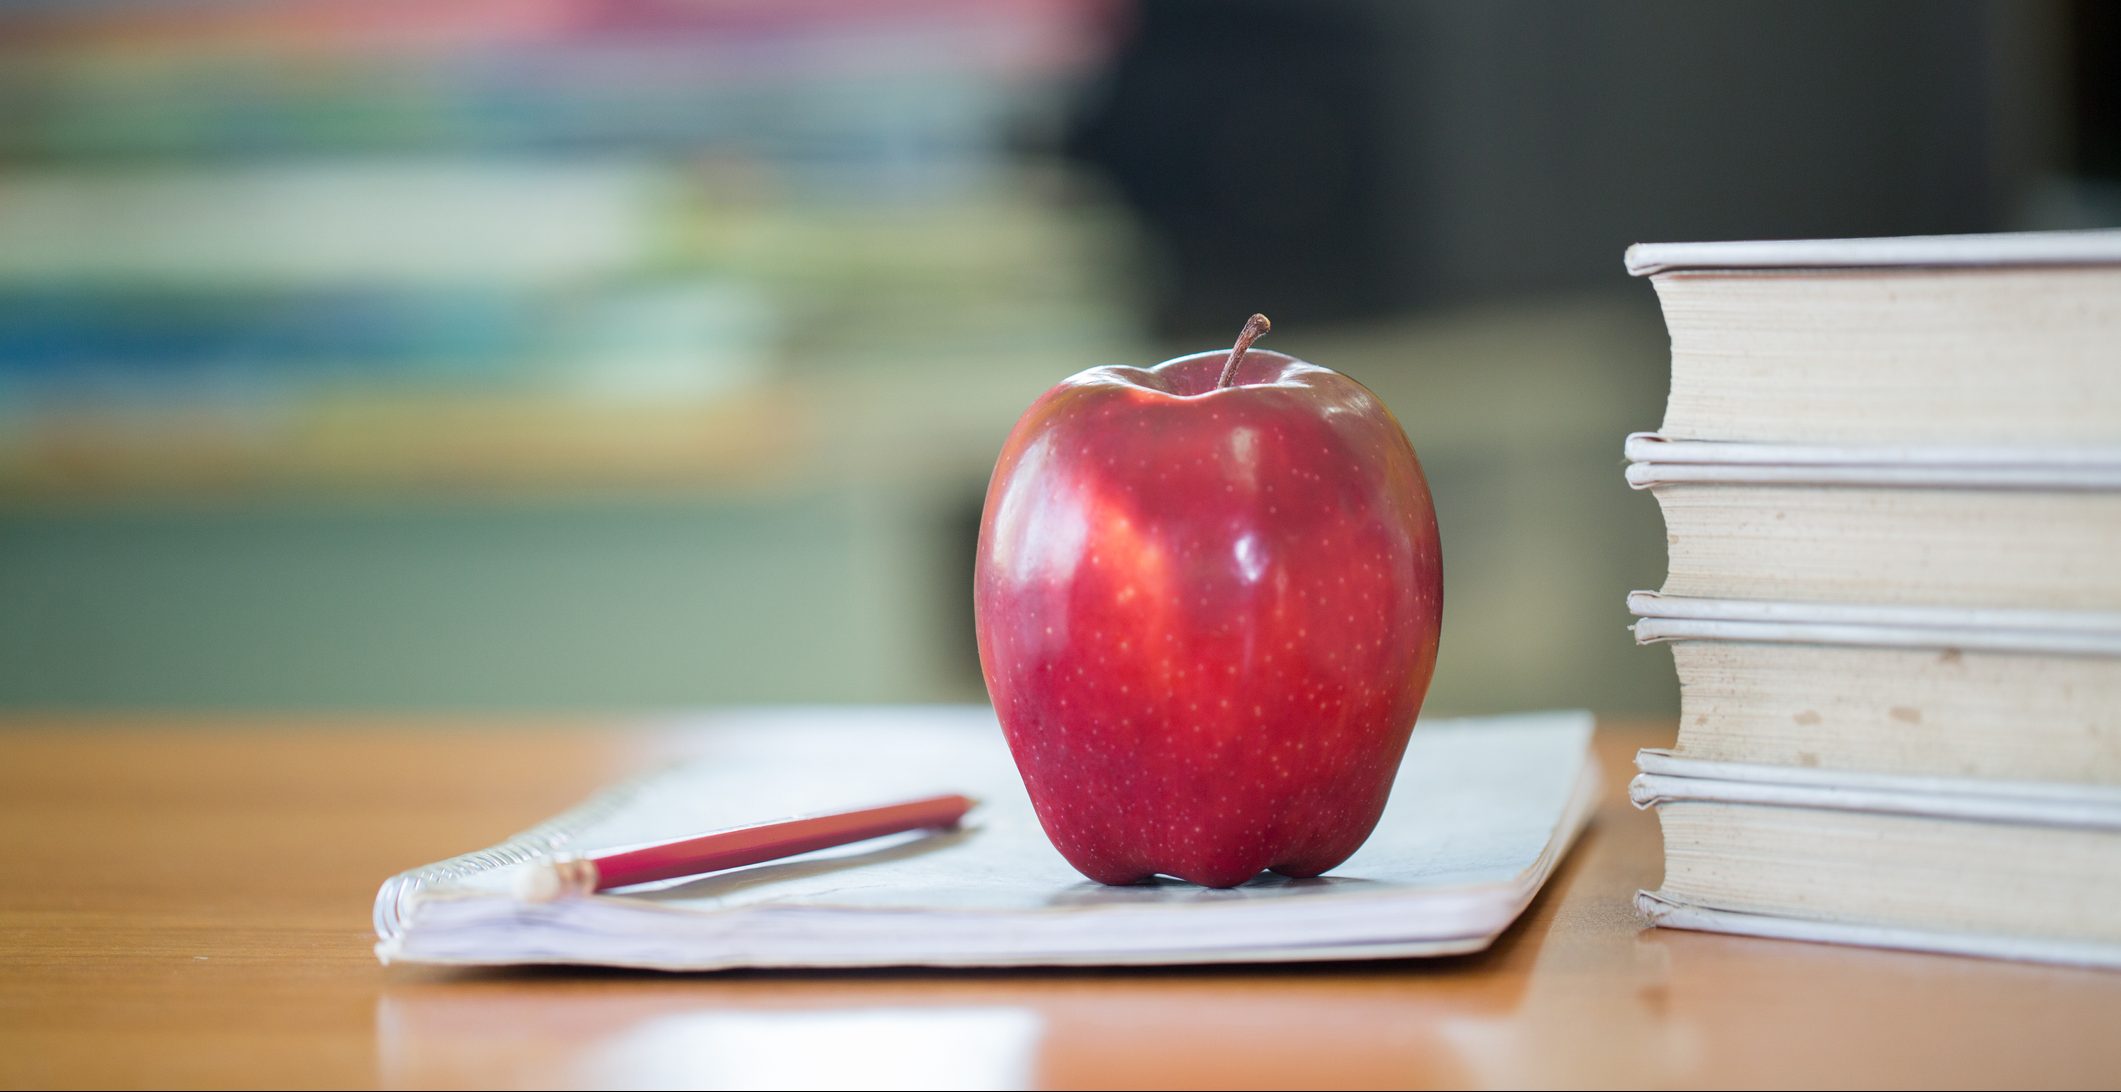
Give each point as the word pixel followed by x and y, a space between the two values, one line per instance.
pixel 734 848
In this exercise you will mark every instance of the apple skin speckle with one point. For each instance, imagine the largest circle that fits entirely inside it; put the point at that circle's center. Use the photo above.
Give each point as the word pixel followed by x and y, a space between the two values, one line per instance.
pixel 1207 617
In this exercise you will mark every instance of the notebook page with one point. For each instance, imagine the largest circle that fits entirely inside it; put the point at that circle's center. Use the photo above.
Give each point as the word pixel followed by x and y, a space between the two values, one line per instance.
pixel 1479 806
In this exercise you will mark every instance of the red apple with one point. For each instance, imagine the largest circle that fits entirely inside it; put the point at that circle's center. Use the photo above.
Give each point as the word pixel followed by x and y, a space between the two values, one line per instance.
pixel 1208 596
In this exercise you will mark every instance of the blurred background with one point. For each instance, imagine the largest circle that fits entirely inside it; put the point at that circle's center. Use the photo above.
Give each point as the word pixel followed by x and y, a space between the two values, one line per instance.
pixel 519 355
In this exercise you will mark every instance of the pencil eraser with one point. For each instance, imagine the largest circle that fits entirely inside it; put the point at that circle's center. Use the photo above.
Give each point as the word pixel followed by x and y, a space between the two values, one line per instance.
pixel 554 878
pixel 538 882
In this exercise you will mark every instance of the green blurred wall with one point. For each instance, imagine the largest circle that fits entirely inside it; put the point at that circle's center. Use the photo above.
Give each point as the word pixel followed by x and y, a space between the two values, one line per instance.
pixel 621 603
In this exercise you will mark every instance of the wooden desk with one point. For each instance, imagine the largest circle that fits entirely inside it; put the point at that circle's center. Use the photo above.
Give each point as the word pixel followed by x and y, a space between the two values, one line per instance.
pixel 188 904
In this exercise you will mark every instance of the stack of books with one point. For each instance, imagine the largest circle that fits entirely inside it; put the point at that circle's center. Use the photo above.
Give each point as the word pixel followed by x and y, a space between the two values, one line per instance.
pixel 1890 472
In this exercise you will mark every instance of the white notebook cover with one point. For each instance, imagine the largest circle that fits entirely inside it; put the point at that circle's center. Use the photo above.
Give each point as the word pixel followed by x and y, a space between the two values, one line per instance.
pixel 1667 778
pixel 1663 617
pixel 1654 461
pixel 1651 447
pixel 1672 914
pixel 1482 812
pixel 1907 251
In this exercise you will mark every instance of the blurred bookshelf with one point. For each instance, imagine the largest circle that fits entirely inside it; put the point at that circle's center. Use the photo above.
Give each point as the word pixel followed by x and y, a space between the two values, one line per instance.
pixel 524 353
pixel 718 359
pixel 516 243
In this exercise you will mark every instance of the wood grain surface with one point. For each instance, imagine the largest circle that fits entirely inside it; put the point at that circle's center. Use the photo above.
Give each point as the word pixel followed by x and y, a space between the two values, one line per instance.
pixel 187 903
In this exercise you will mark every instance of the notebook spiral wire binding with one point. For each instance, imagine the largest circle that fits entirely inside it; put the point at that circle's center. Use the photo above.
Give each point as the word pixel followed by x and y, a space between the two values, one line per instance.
pixel 395 899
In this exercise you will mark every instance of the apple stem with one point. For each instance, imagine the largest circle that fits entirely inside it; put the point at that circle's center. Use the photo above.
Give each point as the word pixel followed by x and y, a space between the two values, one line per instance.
pixel 1254 327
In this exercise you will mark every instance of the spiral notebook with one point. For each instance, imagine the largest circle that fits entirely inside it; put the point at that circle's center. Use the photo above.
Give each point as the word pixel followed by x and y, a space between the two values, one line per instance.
pixel 1483 811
